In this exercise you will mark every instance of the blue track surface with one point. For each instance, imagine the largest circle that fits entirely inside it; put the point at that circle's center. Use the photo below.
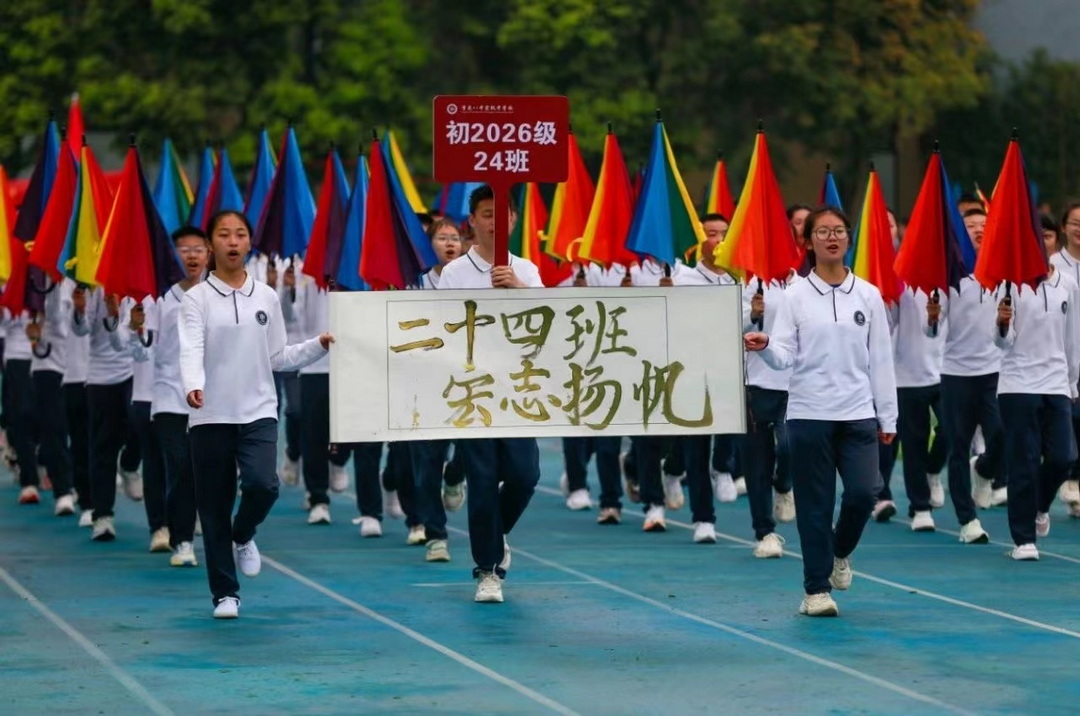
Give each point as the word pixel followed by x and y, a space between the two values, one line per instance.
pixel 598 620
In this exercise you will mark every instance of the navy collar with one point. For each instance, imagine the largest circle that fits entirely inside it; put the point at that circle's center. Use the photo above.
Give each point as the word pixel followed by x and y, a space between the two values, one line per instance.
pixel 225 289
pixel 823 287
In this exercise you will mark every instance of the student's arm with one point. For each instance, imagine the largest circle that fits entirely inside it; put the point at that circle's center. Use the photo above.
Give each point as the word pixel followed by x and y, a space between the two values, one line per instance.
pixel 1072 339
pixel 779 353
pixel 284 358
pixel 882 373
pixel 192 327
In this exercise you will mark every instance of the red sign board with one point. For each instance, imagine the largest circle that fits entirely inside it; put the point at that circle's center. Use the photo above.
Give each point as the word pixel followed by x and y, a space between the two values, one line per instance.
pixel 501 140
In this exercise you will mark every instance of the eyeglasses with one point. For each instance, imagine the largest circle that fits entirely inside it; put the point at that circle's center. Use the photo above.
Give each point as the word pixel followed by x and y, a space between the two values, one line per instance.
pixel 191 250
pixel 824 232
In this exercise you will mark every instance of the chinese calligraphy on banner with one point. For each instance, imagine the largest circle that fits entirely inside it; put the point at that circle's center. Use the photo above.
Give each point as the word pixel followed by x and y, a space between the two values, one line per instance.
pixel 412 365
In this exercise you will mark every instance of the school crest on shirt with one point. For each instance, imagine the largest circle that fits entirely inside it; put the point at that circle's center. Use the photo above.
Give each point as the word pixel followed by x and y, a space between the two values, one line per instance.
pixel 261 317
pixel 860 318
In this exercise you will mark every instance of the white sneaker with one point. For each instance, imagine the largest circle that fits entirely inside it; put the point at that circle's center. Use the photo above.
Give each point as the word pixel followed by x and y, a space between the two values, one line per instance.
pixel 771 546
pixel 506 560
pixel 654 519
pixel 883 511
pixel 923 522
pixel 819 605
pixel 417 536
pixel 725 488
pixel 982 490
pixel 227 608
pixel 704 533
pixel 437 551
pixel 673 494
pixel 784 506
pixel 1042 524
pixel 159 541
pixel 29 496
pixel 973 533
pixel 609 516
pixel 369 527
pixel 937 491
pixel 133 486
pixel 740 486
pixel 999 497
pixel 65 505
pixel 86 518
pixel 339 478
pixel 453 496
pixel 248 559
pixel 489 589
pixel 579 500
pixel 564 484
pixel 841 573
pixel 1070 492
pixel 104 530
pixel 290 472
pixel 393 505
pixel 184 556
pixel 319 515
pixel 1025 553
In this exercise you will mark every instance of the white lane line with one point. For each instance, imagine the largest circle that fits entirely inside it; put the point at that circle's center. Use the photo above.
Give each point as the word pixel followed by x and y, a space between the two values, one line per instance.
pixel 791 651
pixel 885 582
pixel 1042 552
pixel 126 680
pixel 426 641
pixel 472 585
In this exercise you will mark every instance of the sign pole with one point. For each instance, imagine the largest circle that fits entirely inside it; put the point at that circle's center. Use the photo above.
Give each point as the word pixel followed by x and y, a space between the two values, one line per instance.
pixel 502 223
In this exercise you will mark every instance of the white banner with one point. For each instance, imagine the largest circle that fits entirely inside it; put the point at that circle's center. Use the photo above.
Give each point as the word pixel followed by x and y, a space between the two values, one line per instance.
pixel 411 365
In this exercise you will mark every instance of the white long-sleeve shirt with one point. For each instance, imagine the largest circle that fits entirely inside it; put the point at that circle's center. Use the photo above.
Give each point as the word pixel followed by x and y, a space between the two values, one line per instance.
pixel 313 318
pixel 1064 262
pixel 110 355
pixel 837 342
pixel 1042 346
pixel 168 392
pixel 76 348
pixel 969 346
pixel 16 342
pixel 917 349
pixel 142 385
pixel 231 342
pixel 758 372
pixel 51 351
pixel 471 271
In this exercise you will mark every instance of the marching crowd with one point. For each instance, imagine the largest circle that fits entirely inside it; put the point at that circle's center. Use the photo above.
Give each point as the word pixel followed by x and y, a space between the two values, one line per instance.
pixel 176 400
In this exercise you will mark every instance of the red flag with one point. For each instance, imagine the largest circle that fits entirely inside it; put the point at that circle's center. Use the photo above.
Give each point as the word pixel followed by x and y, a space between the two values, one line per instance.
pixel 53 230
pixel 720 200
pixel 759 241
pixel 76 128
pixel 874 255
pixel 604 238
pixel 14 295
pixel 379 265
pixel 1012 246
pixel 570 208
pixel 137 258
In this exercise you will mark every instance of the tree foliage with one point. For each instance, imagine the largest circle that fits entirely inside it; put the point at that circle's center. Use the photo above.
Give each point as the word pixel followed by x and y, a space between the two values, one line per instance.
pixel 844 77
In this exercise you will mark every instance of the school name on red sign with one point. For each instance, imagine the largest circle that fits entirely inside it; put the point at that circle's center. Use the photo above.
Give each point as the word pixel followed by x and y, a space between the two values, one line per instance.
pixel 501 140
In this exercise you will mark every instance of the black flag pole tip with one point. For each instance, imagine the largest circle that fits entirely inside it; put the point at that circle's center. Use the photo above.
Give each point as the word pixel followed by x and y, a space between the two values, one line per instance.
pixel 374 135
pixel 570 127
pixel 760 126
pixel 84 140
pixel 720 155
pixel 1015 134
pixel 937 147
pixel 828 167
pixel 659 115
pixel 610 129
pixel 873 168
pixel 131 139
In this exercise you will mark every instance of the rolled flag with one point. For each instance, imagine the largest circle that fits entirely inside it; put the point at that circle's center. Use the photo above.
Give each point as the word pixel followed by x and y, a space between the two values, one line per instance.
pixel 612 211
pixel 7 223
pixel 76 126
pixel 53 231
pixel 348 273
pixel 665 222
pixel 327 232
pixel 37 193
pixel 416 252
pixel 172 191
pixel 830 195
pixel 936 252
pixel 285 223
pixel 759 241
pixel 224 193
pixel 262 176
pixel 1012 248
pixel 873 246
pixel 526 240
pixel 569 209
pixel 453 200
pixel 93 202
pixel 138 258
pixel 392 154
pixel 719 199
pixel 206 180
